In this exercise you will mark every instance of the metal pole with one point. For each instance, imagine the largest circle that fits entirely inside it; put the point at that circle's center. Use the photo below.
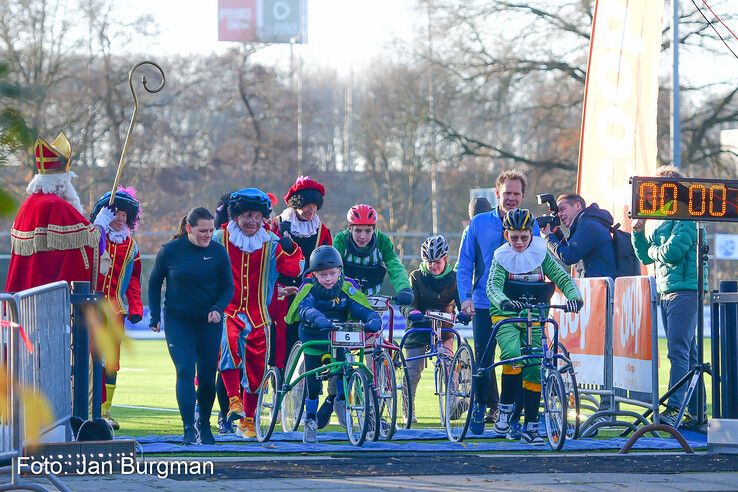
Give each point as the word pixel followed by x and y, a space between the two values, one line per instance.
pixel 17 420
pixel 729 362
pixel 432 127
pixel 299 112
pixel 702 250
pixel 348 110
pixel 81 351
pixel 715 311
pixel 97 384
pixel 676 150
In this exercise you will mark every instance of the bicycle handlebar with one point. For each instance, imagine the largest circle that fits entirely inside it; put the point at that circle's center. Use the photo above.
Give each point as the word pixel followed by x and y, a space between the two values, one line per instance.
pixel 543 306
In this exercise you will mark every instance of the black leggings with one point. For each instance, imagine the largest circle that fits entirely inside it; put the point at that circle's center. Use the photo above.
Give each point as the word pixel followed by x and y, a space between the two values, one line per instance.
pixel 315 385
pixel 193 342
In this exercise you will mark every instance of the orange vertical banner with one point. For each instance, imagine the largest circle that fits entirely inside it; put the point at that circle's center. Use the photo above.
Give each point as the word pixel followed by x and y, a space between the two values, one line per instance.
pixel 618 137
pixel 635 366
pixel 584 333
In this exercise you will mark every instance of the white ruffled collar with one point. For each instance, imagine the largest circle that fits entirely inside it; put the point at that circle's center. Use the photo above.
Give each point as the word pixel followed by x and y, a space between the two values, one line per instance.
pixel 247 244
pixel 118 237
pixel 524 262
pixel 299 227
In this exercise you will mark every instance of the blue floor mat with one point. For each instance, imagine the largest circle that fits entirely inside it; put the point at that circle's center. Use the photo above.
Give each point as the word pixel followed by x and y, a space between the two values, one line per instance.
pixel 404 440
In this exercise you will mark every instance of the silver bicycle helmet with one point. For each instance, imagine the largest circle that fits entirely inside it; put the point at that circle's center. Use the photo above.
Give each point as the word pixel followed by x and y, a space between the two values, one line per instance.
pixel 434 248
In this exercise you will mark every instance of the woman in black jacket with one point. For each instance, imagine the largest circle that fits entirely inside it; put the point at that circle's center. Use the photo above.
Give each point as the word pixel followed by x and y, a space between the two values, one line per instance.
pixel 197 272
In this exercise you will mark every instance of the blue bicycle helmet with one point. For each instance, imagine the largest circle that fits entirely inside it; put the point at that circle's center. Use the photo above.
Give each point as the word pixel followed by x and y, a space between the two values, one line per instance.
pixel 518 219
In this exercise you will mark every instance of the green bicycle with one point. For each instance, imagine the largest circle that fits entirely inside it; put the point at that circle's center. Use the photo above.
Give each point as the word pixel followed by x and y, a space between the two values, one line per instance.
pixel 361 399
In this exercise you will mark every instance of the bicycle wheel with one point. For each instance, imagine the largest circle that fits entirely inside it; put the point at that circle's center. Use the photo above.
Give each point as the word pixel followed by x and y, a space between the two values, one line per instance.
pixel 402 382
pixel 459 394
pixel 440 376
pixel 359 407
pixel 573 410
pixel 386 390
pixel 371 430
pixel 293 403
pixel 267 405
pixel 554 408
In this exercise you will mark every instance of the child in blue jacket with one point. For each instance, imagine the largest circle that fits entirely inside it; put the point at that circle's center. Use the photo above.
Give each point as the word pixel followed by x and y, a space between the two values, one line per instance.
pixel 323 299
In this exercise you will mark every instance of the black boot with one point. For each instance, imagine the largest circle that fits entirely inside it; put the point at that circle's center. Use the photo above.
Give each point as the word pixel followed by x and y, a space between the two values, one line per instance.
pixel 190 435
pixel 325 411
pixel 206 434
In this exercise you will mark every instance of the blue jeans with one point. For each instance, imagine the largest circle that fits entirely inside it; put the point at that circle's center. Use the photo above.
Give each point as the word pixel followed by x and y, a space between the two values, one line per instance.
pixel 679 312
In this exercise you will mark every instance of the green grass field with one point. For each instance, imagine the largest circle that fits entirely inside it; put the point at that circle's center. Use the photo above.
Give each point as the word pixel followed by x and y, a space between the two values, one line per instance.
pixel 146 383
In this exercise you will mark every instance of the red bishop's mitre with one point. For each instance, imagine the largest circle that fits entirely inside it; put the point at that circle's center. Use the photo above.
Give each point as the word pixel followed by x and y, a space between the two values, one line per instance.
pixel 55 157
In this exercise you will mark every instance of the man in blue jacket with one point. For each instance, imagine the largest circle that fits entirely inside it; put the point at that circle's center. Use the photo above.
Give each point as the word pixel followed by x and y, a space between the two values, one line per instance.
pixel 483 237
pixel 589 238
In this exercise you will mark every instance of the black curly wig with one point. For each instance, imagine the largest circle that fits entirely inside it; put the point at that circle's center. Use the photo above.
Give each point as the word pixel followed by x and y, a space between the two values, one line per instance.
pixel 221 211
pixel 303 197
pixel 241 205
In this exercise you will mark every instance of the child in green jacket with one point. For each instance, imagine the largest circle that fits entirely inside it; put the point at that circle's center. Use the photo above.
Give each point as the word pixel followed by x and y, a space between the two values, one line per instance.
pixel 524 258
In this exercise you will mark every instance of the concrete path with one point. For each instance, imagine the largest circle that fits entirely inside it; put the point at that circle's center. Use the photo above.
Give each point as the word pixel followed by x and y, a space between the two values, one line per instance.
pixel 539 482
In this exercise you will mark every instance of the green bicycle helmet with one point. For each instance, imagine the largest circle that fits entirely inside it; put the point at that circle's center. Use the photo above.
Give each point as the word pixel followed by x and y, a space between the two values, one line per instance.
pixel 518 219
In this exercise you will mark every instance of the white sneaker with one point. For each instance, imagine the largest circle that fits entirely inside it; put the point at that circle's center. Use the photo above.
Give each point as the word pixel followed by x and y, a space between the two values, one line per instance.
pixel 339 407
pixel 502 426
pixel 310 434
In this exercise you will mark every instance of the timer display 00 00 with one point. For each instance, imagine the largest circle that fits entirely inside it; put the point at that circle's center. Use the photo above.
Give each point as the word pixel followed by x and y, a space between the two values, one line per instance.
pixel 684 199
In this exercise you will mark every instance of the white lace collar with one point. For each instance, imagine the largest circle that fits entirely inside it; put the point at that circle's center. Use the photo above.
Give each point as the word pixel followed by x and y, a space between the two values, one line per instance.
pixel 524 262
pixel 118 237
pixel 247 244
pixel 299 227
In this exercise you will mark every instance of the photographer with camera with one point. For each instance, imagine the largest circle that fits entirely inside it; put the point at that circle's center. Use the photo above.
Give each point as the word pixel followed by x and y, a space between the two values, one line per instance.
pixel 483 237
pixel 590 240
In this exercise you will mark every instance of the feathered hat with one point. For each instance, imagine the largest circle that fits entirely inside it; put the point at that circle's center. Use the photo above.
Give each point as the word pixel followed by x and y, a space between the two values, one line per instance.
pixel 125 199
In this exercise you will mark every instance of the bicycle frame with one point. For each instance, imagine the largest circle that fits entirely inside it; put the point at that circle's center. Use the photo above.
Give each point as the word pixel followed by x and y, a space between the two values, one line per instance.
pixel 334 367
pixel 546 356
pixel 380 304
pixel 436 341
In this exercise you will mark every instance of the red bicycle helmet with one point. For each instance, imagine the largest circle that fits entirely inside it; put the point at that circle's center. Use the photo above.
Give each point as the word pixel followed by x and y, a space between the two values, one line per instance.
pixel 362 215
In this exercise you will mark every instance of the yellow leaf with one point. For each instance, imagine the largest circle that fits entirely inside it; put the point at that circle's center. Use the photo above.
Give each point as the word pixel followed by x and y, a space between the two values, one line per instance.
pixel 107 334
pixel 8 205
pixel 4 400
pixel 37 414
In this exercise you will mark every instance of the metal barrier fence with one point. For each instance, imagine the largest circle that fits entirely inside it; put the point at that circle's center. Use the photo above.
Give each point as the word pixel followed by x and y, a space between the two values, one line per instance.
pixel 44 314
pixel 613 345
pixel 9 433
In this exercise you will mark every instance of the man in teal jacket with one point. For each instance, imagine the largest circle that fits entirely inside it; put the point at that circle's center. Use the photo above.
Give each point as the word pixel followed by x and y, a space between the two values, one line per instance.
pixel 672 248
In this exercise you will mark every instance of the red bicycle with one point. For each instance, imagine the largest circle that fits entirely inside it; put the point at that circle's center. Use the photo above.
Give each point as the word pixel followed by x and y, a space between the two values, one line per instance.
pixel 391 380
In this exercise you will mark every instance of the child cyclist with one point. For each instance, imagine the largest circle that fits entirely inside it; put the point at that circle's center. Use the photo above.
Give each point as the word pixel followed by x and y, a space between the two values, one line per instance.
pixel 434 287
pixel 323 299
pixel 524 258
pixel 368 255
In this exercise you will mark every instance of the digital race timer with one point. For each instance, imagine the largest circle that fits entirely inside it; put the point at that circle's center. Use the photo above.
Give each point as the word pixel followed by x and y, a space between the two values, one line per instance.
pixel 684 199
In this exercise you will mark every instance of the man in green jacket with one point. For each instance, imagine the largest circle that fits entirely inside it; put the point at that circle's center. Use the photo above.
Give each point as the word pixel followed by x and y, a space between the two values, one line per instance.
pixel 672 248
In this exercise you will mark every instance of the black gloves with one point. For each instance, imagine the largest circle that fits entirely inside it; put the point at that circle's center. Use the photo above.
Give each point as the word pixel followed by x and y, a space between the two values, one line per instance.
pixel 285 227
pixel 134 318
pixel 404 297
pixel 463 318
pixel 288 245
pixel 415 316
pixel 574 305
pixel 509 305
